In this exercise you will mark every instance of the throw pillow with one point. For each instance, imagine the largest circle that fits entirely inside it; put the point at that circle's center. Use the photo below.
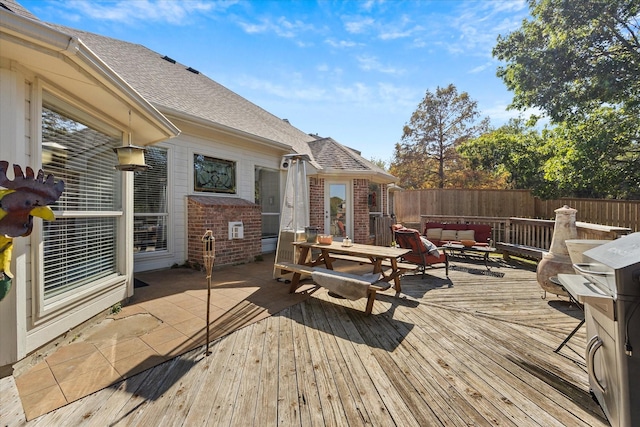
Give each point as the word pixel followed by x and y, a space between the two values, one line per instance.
pixel 434 233
pixel 430 247
pixel 466 235
pixel 448 235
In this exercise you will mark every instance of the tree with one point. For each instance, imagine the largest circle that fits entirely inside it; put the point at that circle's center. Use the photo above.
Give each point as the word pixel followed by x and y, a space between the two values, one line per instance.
pixel 573 57
pixel 597 157
pixel 513 153
pixel 427 155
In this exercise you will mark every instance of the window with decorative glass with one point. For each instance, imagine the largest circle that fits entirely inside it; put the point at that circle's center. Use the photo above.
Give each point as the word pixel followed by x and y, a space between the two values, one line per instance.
pixel 80 245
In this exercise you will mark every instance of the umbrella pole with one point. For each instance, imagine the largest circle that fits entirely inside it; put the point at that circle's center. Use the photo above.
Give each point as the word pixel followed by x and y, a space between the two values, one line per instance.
pixel 208 255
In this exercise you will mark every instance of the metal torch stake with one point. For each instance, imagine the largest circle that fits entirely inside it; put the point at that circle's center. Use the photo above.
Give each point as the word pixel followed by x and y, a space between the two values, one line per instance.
pixel 208 256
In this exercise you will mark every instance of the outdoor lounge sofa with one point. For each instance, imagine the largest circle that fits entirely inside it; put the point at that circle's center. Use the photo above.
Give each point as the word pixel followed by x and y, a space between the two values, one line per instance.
pixel 440 233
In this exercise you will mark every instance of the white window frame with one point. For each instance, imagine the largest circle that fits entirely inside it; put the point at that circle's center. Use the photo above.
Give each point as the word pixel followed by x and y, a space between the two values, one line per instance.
pixel 168 249
pixel 45 309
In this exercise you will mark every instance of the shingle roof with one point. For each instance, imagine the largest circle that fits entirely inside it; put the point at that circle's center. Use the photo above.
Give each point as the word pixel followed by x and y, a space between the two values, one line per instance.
pixel 170 86
pixel 330 154
pixel 16 8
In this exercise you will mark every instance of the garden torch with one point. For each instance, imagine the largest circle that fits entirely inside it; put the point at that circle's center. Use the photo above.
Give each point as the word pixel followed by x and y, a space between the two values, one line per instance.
pixel 208 256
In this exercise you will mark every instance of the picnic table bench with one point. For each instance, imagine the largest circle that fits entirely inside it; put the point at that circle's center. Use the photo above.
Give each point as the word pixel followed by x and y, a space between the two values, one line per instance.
pixel 369 285
pixel 349 285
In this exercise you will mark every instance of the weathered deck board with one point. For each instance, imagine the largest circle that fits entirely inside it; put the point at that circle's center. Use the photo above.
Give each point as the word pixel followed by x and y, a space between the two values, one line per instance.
pixel 470 350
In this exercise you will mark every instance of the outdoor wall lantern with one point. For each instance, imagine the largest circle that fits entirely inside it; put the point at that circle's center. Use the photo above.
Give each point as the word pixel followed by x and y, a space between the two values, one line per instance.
pixel 131 157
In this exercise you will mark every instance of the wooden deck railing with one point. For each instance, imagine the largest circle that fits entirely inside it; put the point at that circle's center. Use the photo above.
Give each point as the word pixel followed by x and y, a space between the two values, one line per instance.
pixel 532 236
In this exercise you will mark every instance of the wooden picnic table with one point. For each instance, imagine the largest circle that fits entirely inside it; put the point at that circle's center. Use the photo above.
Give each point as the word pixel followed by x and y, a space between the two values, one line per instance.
pixel 378 256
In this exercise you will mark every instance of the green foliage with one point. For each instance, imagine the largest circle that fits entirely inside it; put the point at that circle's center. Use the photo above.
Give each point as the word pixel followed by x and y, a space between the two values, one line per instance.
pixel 574 56
pixel 598 157
pixel 116 308
pixel 513 152
pixel 426 156
pixel 579 62
pixel 382 164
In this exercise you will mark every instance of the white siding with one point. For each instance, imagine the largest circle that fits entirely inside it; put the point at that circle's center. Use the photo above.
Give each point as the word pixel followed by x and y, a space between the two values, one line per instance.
pixel 180 158
pixel 13 148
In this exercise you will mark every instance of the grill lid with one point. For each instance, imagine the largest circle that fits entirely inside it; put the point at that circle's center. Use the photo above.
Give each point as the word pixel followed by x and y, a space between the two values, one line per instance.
pixel 617 254
pixel 621 259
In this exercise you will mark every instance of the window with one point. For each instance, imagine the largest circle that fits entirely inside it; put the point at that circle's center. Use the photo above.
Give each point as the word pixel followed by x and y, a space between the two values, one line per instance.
pixel 267 188
pixel 150 203
pixel 80 245
pixel 214 175
pixel 375 198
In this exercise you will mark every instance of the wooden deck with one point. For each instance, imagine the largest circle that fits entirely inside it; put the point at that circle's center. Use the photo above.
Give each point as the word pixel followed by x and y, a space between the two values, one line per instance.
pixel 475 349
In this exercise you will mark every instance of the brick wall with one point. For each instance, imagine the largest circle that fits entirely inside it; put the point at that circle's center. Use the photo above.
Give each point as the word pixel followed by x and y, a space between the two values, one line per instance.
pixel 316 203
pixel 215 213
pixel 360 211
pixel 385 202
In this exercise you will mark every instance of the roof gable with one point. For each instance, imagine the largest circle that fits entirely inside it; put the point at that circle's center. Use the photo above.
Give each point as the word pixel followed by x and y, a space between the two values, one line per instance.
pixel 331 155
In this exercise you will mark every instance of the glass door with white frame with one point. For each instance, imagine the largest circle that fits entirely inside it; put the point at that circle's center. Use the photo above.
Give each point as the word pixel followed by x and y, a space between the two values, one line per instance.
pixel 338 210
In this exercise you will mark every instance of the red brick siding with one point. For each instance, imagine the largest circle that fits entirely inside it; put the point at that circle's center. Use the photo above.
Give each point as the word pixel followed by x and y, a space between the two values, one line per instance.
pixel 215 213
pixel 360 210
pixel 383 192
pixel 316 203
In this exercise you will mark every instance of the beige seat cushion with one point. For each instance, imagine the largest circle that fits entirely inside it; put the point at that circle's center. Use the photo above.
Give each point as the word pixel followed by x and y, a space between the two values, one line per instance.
pixel 434 233
pixel 466 235
pixel 448 235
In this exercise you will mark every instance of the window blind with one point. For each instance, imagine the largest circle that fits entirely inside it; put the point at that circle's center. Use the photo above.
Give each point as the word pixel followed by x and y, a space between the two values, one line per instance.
pixel 80 245
pixel 150 203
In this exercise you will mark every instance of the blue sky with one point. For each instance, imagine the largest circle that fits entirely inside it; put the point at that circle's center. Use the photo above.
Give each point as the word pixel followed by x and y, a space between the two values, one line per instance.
pixel 350 70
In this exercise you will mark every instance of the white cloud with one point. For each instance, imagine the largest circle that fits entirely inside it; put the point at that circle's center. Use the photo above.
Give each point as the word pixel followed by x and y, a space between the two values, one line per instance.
pixel 371 63
pixel 289 90
pixel 341 44
pixel 500 115
pixel 479 23
pixel 282 27
pixel 481 68
pixel 296 90
pixel 358 25
pixel 130 12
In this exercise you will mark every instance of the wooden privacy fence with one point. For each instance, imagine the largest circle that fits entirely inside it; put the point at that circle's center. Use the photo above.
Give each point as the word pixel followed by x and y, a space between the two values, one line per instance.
pixel 409 205
pixel 616 213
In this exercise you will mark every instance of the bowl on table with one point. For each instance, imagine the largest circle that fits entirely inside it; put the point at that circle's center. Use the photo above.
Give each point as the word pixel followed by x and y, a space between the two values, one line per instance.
pixel 467 243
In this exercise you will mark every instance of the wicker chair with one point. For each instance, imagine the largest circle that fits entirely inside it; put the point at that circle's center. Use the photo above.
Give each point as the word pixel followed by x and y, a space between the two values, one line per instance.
pixel 410 239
